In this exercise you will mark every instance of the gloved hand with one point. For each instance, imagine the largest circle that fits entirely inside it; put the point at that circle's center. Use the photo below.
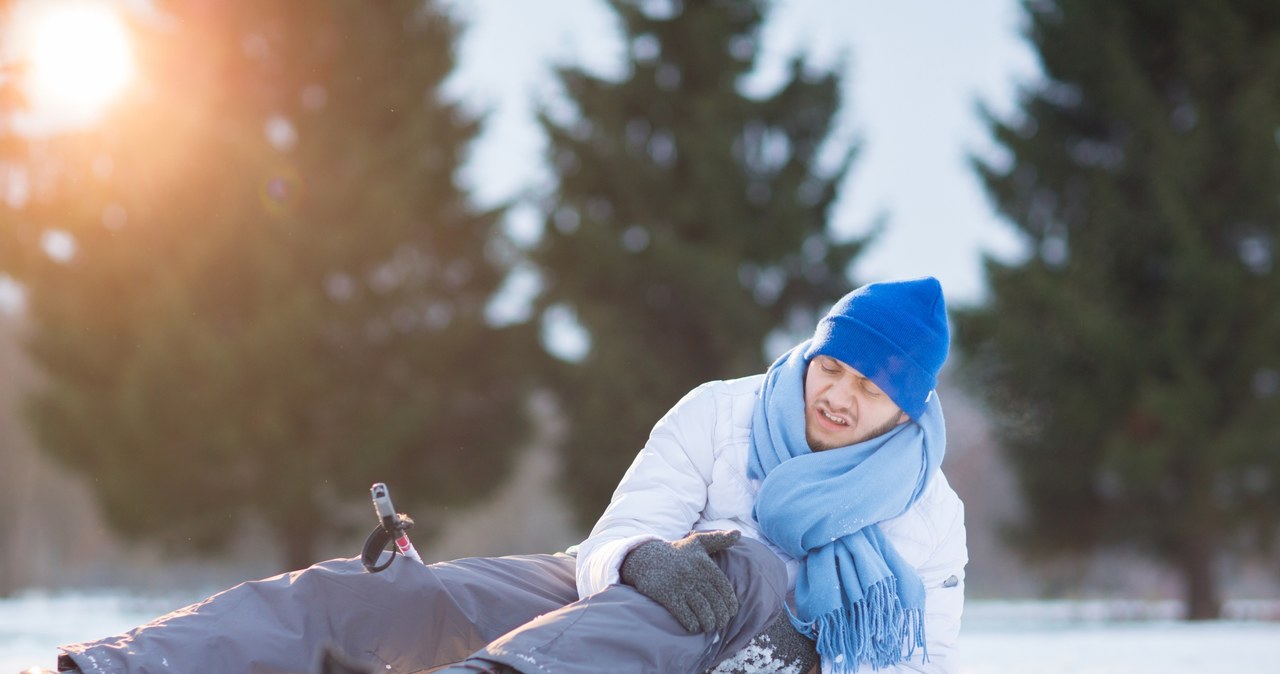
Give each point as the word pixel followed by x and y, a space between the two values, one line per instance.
pixel 682 577
pixel 778 648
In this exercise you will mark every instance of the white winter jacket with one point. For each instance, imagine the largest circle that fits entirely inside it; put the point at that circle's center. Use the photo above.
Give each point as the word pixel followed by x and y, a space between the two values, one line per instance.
pixel 692 475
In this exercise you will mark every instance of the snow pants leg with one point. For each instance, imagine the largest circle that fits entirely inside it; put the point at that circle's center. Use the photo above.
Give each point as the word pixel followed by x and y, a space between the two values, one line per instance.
pixel 620 630
pixel 523 611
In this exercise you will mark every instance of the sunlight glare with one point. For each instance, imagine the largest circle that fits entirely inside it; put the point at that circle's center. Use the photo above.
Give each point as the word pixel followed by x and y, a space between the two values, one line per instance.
pixel 79 56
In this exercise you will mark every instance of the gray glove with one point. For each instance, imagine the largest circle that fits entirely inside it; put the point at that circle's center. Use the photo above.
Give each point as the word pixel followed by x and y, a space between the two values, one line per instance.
pixel 682 577
pixel 776 649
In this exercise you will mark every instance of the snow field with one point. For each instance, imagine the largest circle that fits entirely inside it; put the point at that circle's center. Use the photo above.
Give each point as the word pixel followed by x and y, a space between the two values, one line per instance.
pixel 997 638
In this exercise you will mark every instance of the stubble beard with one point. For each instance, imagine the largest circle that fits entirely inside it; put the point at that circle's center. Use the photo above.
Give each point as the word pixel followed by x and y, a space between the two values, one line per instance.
pixel 817 445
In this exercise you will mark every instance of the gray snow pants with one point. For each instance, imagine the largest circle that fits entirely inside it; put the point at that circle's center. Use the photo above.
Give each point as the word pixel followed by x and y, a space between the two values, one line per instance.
pixel 521 611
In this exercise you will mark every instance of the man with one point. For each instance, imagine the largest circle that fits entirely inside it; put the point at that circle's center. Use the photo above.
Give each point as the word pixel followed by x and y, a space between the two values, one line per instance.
pixel 770 524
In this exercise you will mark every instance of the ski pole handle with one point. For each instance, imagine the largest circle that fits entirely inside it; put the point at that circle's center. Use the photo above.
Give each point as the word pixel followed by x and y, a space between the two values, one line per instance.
pixel 392 521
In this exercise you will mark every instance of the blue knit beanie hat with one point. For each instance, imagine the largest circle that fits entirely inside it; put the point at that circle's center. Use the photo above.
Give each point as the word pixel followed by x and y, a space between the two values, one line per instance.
pixel 894 333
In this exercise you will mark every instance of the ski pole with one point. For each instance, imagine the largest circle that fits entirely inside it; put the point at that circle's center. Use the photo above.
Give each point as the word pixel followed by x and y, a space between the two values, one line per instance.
pixel 393 522
pixel 392 526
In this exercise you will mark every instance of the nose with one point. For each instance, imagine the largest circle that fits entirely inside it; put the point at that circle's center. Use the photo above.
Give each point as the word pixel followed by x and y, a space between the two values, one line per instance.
pixel 844 394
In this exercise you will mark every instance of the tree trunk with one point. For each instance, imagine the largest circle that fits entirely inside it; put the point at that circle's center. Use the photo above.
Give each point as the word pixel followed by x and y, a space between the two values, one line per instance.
pixel 298 544
pixel 1203 598
pixel 299 552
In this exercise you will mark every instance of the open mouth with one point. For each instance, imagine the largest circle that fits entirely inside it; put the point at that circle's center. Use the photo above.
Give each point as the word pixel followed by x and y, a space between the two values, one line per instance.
pixel 838 421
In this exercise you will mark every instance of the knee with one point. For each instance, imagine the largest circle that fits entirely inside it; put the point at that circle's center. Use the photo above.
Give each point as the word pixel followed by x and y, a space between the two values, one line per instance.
pixel 759 577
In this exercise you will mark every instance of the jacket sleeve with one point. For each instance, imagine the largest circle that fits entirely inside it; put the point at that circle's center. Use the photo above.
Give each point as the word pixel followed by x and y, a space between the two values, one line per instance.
pixel 662 494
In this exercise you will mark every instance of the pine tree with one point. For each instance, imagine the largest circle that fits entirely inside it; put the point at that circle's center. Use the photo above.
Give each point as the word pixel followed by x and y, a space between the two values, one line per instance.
pixel 10 103
pixel 276 292
pixel 689 224
pixel 1134 357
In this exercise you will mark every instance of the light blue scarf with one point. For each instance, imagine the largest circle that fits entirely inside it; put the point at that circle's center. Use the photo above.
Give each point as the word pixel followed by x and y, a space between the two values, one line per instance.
pixel 855 595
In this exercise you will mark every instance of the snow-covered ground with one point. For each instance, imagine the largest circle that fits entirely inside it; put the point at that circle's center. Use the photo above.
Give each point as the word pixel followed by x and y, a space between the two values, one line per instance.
pixel 998 637
pixel 1115 638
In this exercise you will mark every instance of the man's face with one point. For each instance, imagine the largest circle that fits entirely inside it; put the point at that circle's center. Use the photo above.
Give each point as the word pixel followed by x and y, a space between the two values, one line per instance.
pixel 842 407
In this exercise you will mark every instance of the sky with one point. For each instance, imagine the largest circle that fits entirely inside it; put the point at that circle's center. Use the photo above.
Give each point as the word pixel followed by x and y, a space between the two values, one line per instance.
pixel 914 72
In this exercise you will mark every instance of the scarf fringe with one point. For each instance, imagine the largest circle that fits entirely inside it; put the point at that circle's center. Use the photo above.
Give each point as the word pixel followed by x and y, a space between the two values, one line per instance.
pixel 876 630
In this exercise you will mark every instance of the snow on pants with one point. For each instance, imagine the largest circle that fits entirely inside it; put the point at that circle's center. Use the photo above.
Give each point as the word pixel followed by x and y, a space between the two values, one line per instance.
pixel 523 611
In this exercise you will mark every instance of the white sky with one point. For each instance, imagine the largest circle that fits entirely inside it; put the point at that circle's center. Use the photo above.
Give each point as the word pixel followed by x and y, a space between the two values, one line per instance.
pixel 914 73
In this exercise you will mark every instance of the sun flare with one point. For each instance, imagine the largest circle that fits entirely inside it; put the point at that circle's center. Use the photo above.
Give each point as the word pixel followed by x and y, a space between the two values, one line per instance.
pixel 78 56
